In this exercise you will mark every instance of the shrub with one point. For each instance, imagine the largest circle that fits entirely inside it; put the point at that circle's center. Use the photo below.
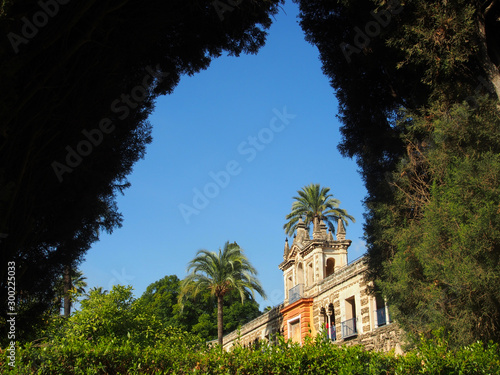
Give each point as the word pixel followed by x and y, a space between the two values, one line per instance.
pixel 83 350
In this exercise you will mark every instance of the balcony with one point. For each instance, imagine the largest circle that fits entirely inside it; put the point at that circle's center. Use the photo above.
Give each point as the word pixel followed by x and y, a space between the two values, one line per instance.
pixel 381 317
pixel 295 293
pixel 349 328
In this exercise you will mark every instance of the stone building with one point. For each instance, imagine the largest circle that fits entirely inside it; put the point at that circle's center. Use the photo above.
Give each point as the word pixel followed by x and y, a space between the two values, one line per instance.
pixel 323 292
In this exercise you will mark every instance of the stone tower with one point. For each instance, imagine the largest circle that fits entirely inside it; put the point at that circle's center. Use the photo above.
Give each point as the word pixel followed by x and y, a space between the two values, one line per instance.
pixel 309 260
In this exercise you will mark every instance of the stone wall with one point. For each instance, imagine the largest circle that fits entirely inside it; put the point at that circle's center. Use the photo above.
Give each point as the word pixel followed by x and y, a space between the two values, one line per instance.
pixel 342 275
pixel 381 339
pixel 348 282
pixel 263 327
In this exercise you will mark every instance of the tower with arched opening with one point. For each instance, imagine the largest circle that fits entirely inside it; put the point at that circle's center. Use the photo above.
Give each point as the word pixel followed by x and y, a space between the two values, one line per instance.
pixel 306 263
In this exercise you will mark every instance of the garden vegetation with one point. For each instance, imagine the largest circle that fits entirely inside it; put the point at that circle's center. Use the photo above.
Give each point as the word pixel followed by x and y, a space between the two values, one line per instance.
pixel 113 334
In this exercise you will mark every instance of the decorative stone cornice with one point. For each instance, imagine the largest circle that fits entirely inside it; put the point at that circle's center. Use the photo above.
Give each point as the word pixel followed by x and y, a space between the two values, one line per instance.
pixel 300 302
pixel 286 264
pixel 305 247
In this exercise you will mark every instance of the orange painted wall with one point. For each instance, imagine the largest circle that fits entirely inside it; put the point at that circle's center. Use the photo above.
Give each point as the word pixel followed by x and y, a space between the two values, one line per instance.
pixel 302 308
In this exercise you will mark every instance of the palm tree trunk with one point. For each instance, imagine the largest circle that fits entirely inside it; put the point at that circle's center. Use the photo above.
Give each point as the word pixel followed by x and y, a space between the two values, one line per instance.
pixel 220 320
pixel 67 287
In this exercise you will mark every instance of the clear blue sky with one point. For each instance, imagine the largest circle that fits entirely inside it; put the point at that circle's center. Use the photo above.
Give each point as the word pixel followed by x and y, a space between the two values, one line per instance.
pixel 225 119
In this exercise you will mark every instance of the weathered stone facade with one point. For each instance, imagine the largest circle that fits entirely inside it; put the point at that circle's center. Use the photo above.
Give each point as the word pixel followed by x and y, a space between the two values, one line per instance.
pixel 324 292
pixel 265 327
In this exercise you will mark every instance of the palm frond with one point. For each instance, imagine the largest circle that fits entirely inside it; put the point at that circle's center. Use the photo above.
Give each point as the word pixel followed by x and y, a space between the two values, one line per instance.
pixel 315 201
pixel 220 272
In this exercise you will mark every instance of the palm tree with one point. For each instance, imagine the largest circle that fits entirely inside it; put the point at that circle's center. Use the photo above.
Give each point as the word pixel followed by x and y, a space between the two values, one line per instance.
pixel 96 289
pixel 219 273
pixel 70 286
pixel 315 202
pixel 79 283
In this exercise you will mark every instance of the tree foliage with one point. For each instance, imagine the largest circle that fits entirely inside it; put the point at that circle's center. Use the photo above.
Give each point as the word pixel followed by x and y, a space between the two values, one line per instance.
pixel 114 320
pixel 418 87
pixel 160 298
pixel 315 202
pixel 199 314
pixel 219 274
pixel 79 83
pixel 446 265
pixel 179 353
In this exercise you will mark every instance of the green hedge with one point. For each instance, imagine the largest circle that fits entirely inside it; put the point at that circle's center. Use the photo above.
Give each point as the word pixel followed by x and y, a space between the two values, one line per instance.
pixel 179 355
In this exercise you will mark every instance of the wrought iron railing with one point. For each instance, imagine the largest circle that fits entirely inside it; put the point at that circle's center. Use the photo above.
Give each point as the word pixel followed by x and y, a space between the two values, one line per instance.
pixel 349 328
pixel 295 293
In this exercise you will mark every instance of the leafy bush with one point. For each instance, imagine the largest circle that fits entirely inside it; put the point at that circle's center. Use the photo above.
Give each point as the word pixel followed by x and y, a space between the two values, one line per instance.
pixel 181 353
pixel 113 335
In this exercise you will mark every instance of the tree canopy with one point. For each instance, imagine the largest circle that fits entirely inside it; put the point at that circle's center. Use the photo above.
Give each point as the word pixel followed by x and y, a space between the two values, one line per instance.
pixel 219 274
pixel 315 202
pixel 199 314
pixel 80 79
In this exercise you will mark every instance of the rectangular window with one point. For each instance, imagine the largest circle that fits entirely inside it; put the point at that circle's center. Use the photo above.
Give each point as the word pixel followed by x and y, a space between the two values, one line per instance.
pixel 294 331
pixel 350 308
pixel 349 325
pixel 381 311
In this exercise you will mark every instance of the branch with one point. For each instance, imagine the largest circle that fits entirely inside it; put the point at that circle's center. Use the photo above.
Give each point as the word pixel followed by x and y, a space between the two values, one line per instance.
pixel 488 7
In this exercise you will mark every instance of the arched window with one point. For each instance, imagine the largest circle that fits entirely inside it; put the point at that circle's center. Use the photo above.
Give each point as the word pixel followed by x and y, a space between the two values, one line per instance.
pixel 300 274
pixel 289 282
pixel 330 267
pixel 329 321
pixel 310 274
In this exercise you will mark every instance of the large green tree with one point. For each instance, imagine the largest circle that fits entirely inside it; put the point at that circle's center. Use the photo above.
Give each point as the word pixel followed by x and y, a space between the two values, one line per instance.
pixel 443 228
pixel 113 319
pixel 199 314
pixel 418 88
pixel 315 202
pixel 79 80
pixel 219 273
pixel 161 298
